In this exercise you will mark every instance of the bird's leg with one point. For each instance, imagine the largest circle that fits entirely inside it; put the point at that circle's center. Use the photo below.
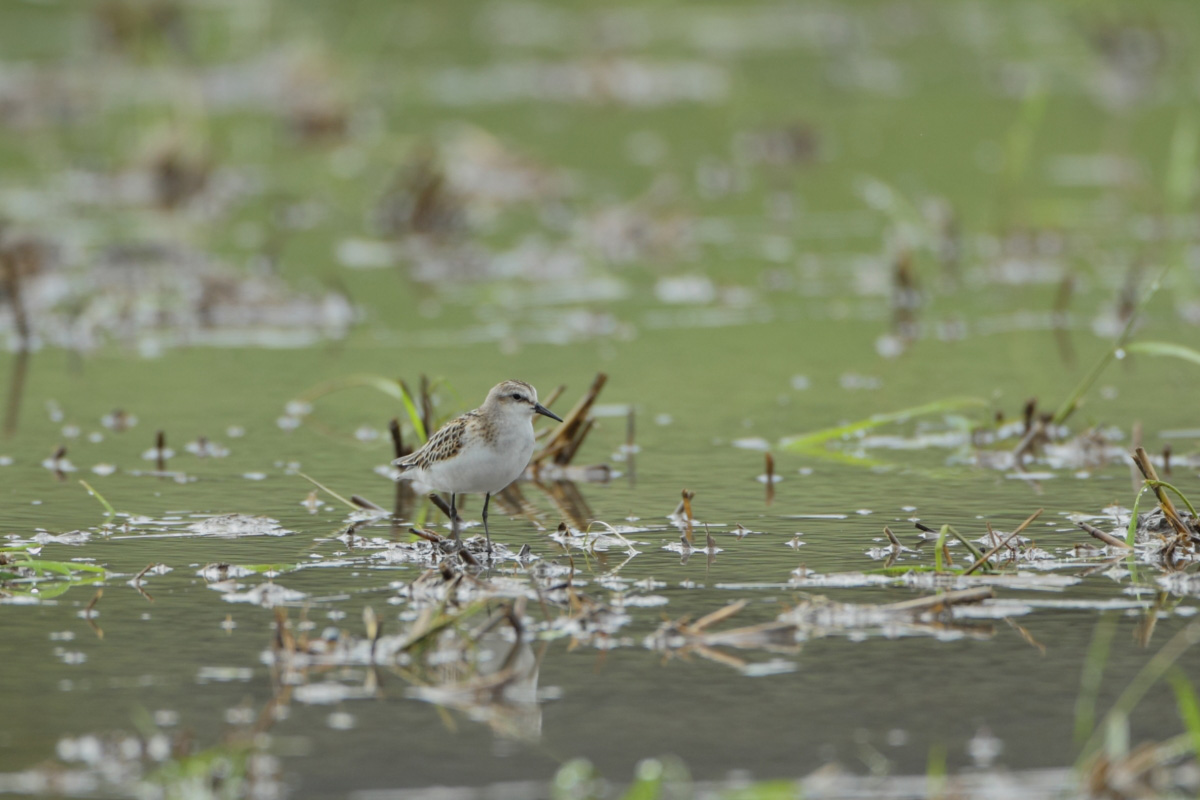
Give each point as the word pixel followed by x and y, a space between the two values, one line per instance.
pixel 487 498
pixel 453 516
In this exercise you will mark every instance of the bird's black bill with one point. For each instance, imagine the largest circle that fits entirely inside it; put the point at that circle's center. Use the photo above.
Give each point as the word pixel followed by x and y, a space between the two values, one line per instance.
pixel 545 412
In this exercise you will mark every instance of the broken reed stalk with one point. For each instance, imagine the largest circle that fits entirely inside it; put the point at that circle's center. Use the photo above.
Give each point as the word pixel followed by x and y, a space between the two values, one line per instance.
pixel 554 395
pixel 720 615
pixel 770 468
pixel 439 541
pixel 365 504
pixel 397 438
pixel 10 274
pixel 1107 538
pixel 160 446
pixel 937 602
pixel 137 578
pixel 1164 501
pixel 687 512
pixel 983 559
pixel 12 407
pixel 1062 298
pixel 87 612
pixel 442 505
pixel 567 453
pixel 892 537
pixel 567 434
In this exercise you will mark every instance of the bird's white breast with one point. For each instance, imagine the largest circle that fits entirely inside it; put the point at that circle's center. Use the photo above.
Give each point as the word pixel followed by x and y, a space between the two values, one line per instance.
pixel 483 466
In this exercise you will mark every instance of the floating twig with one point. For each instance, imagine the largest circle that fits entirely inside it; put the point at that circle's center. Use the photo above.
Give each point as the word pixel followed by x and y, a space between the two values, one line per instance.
pixel 983 559
pixel 364 503
pixel 329 491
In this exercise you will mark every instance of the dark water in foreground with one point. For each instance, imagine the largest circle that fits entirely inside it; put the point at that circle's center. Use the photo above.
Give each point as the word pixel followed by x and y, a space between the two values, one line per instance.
pixel 193 660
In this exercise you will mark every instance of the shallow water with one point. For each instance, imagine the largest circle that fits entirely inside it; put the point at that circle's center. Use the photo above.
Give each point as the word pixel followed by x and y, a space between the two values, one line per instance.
pixel 708 210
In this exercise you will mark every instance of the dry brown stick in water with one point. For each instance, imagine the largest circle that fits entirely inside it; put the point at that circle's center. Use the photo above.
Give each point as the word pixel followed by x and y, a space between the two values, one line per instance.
pixel 543 433
pixel 687 512
pixel 565 433
pixel 770 467
pixel 997 548
pixel 1107 538
pixel 564 456
pixel 892 537
pixel 397 439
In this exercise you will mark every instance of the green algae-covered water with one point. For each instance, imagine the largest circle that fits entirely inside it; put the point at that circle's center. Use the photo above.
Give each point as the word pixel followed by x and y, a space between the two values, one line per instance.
pixel 759 221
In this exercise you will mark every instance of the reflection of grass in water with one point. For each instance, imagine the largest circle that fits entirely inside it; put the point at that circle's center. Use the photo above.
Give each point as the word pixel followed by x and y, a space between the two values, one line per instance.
pixel 810 443
pixel 1109 740
pixel 18 569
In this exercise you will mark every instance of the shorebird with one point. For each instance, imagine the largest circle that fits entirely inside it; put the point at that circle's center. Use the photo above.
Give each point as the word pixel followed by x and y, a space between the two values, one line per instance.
pixel 481 451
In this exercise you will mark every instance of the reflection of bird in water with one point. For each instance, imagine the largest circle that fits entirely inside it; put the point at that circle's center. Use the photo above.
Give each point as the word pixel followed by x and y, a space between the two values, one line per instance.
pixel 481 451
pixel 495 681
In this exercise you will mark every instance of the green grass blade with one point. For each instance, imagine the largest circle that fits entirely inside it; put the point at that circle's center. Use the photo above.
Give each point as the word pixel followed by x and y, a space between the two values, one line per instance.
pixel 1131 533
pixel 109 511
pixel 387 386
pixel 941 542
pixel 1169 349
pixel 65 568
pixel 809 441
pixel 975 553
pixel 1182 498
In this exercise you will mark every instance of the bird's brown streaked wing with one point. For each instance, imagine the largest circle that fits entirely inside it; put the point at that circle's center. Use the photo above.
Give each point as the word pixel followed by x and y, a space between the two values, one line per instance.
pixel 442 445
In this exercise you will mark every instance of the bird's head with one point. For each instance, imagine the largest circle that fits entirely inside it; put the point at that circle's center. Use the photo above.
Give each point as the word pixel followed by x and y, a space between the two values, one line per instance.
pixel 517 398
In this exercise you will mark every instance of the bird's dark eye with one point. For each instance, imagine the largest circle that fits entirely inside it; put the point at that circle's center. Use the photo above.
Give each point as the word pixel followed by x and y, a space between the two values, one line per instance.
pixel 515 396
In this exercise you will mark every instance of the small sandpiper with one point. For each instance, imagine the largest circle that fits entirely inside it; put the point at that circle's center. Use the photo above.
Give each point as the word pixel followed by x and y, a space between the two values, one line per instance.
pixel 482 451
